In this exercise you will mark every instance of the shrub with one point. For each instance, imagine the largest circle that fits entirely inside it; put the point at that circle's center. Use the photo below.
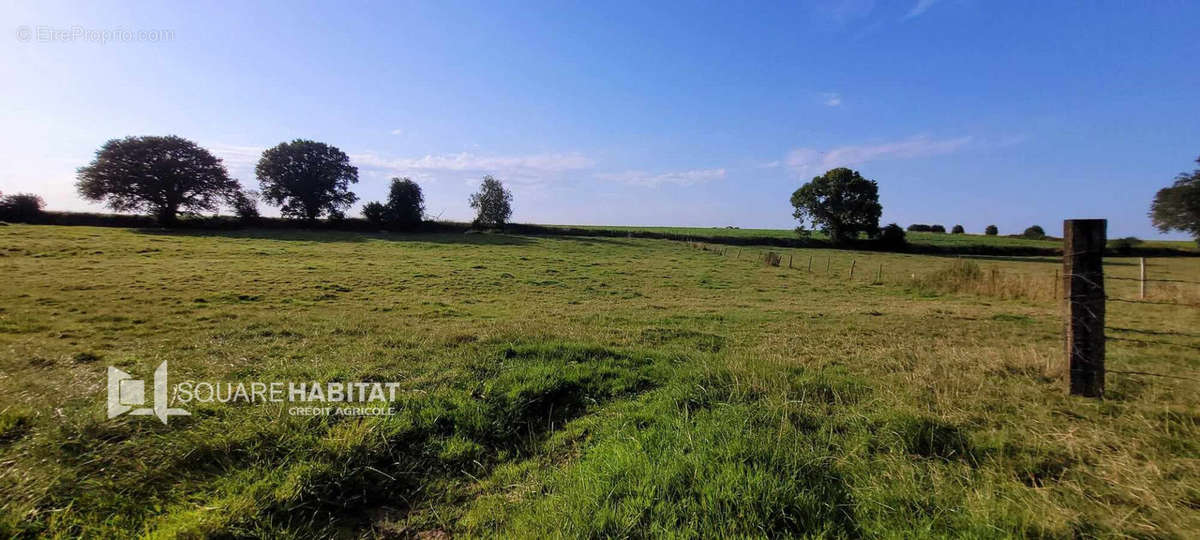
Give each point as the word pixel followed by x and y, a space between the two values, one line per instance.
pixel 991 230
pixel 1124 245
pixel 921 227
pixel 21 207
pixel 375 212
pixel 937 228
pixel 1035 232
pixel 958 229
pixel 892 236
pixel 245 205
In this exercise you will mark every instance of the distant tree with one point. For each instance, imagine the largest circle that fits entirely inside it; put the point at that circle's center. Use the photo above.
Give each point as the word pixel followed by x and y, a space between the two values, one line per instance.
pixel 1124 246
pixel 919 227
pixel 1178 207
pixel 406 203
pixel 958 229
pixel 991 230
pixel 245 205
pixel 937 228
pixel 162 175
pixel 493 203
pixel 24 207
pixel 307 179
pixel 841 202
pixel 1035 232
pixel 892 236
pixel 375 213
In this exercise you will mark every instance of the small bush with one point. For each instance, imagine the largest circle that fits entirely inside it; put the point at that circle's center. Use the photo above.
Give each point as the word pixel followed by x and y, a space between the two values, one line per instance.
pixel 921 227
pixel 1035 232
pixel 245 205
pixel 958 229
pixel 374 212
pixel 991 230
pixel 892 236
pixel 1125 245
pixel 23 207
pixel 404 210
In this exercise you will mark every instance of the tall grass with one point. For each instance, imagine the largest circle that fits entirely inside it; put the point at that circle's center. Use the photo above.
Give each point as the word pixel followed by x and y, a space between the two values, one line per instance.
pixel 962 276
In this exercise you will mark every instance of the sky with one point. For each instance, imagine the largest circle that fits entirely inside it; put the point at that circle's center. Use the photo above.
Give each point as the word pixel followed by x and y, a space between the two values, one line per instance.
pixel 634 113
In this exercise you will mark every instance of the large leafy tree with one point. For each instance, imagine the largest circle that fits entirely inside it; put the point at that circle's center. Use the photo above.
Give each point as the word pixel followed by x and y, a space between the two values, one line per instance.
pixel 841 203
pixel 1178 207
pixel 161 175
pixel 307 179
pixel 493 203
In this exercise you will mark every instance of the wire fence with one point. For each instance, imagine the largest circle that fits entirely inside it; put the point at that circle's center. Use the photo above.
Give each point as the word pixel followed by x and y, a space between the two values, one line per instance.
pixel 1003 283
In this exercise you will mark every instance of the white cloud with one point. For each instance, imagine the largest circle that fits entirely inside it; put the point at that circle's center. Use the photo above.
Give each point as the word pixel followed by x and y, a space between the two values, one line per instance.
pixel 533 168
pixel 397 131
pixel 239 160
pixel 681 178
pixel 831 99
pixel 811 159
pixel 921 7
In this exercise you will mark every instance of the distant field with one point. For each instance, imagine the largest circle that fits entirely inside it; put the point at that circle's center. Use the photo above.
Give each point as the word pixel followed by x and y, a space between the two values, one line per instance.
pixel 919 238
pixel 585 387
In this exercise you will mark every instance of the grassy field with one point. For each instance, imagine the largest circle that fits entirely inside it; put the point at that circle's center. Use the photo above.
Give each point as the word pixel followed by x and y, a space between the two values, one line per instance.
pixel 584 387
pixel 944 240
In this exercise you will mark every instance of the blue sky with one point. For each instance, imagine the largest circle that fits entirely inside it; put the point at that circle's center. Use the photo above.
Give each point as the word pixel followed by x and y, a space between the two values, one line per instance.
pixel 642 113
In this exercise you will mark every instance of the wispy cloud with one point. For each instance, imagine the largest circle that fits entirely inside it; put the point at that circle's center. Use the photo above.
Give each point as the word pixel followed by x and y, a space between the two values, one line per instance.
pixel 812 159
pixel 920 8
pixel 831 99
pixel 523 168
pixel 397 131
pixel 239 160
pixel 680 178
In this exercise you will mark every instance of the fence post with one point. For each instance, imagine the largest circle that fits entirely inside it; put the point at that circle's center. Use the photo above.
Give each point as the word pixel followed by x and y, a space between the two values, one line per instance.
pixel 1083 286
pixel 810 264
pixel 828 261
pixel 852 261
pixel 789 261
pixel 1142 278
pixel 879 276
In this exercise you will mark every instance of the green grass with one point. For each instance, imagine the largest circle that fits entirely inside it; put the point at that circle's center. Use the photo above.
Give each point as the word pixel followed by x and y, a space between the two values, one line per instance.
pixel 584 387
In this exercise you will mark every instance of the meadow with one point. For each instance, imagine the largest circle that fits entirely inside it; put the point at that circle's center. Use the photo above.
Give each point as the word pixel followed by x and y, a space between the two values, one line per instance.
pixel 585 387
pixel 917 239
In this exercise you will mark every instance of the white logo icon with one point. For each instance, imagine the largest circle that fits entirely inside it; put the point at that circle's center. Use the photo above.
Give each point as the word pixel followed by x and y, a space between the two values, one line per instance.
pixel 126 392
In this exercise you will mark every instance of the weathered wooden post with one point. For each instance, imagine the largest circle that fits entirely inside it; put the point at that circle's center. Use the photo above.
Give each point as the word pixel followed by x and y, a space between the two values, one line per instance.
pixel 879 276
pixel 852 261
pixel 789 261
pixel 828 261
pixel 810 264
pixel 1142 278
pixel 1083 287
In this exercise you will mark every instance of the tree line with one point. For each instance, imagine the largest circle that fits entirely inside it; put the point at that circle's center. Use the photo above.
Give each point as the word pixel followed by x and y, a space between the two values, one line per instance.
pixel 167 176
pixel 845 206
